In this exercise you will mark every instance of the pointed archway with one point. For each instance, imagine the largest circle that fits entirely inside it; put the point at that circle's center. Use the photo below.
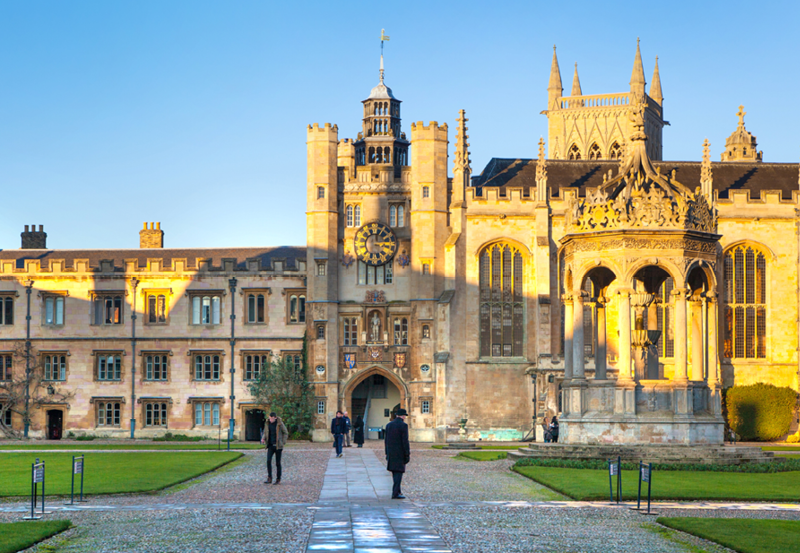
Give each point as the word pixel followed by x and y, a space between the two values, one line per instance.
pixel 374 393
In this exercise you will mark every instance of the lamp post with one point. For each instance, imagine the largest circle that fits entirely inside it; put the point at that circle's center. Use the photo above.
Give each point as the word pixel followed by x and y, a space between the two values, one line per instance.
pixel 232 421
pixel 28 290
pixel 134 285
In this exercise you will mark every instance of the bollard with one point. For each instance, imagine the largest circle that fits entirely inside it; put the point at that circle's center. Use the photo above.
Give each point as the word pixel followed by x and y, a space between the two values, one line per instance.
pixel 77 468
pixel 37 475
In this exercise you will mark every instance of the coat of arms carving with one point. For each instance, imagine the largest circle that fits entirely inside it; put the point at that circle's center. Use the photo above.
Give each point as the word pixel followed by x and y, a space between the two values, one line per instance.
pixel 375 296
pixel 375 353
pixel 403 259
pixel 348 259
pixel 400 360
pixel 350 360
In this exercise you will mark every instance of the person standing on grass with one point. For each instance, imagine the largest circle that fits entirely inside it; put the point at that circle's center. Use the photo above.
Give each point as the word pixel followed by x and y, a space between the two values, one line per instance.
pixel 338 429
pixel 274 438
pixel 358 431
pixel 398 451
pixel 347 434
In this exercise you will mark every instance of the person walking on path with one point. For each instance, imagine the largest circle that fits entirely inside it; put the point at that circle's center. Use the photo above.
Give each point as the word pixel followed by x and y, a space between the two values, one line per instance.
pixel 274 438
pixel 358 432
pixel 398 451
pixel 347 434
pixel 338 429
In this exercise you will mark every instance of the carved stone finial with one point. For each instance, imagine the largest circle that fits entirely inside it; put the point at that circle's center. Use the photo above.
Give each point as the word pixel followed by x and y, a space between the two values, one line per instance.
pixel 741 115
pixel 541 148
pixel 541 173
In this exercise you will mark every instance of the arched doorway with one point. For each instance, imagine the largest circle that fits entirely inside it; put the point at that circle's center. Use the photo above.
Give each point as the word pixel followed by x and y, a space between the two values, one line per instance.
pixel 55 423
pixel 375 397
pixel 253 425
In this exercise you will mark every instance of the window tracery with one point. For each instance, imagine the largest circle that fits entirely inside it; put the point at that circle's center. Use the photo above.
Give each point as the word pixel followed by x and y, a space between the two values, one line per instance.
pixel 501 305
pixel 745 289
pixel 574 152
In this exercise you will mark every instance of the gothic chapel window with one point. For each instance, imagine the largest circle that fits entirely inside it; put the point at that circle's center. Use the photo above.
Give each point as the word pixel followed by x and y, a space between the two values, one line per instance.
pixel 615 152
pixel 745 303
pixel 501 307
pixel 594 152
pixel 574 152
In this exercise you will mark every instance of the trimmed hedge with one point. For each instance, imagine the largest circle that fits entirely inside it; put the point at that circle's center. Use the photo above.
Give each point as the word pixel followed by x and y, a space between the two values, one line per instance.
pixel 760 412
pixel 782 465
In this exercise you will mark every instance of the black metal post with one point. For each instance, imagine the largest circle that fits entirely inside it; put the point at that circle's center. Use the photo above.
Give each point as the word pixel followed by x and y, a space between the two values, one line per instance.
pixel 619 479
pixel 44 477
pixel 134 285
pixel 639 495
pixel 72 489
pixel 27 417
pixel 649 484
pixel 232 422
pixel 610 481
pixel 83 470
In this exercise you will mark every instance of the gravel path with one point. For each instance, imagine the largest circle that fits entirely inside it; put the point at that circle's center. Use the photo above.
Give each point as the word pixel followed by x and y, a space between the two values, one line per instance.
pixel 491 529
pixel 435 475
pixel 212 531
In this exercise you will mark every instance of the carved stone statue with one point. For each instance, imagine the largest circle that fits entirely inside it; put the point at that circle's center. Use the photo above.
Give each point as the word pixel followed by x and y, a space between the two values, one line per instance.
pixel 376 327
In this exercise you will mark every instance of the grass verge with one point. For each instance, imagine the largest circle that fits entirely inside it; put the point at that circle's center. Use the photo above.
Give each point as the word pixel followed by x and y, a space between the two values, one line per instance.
pixel 742 534
pixel 499 447
pixel 483 455
pixel 590 485
pixel 148 446
pixel 129 472
pixel 16 536
pixel 780 448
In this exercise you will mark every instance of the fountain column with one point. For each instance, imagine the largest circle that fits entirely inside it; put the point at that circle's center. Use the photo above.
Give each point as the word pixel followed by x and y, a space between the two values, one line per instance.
pixel 680 336
pixel 624 364
pixel 600 353
pixel 578 348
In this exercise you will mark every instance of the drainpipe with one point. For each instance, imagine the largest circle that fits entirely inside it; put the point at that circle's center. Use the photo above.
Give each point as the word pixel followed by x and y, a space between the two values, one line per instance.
pixel 28 290
pixel 134 285
pixel 232 284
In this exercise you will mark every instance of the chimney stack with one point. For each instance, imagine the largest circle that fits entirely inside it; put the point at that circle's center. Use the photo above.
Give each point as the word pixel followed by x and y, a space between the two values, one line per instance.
pixel 152 237
pixel 34 239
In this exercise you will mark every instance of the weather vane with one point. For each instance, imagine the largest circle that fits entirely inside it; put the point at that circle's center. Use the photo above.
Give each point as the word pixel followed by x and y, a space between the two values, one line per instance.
pixel 385 37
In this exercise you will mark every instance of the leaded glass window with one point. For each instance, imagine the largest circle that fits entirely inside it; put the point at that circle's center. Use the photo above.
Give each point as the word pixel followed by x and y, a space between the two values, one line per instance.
pixel 745 290
pixel 501 306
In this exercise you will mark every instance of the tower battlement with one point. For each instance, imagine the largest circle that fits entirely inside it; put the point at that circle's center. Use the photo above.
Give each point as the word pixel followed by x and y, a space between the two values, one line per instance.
pixel 433 127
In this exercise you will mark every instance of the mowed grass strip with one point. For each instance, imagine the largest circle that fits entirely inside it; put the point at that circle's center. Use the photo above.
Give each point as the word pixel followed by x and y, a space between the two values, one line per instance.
pixel 742 534
pixel 500 447
pixel 16 536
pixel 589 485
pixel 124 472
pixel 88 446
pixel 483 455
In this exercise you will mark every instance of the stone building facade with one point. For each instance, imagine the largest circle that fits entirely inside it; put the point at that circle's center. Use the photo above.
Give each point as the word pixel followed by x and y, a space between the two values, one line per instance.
pixel 595 281
pixel 483 302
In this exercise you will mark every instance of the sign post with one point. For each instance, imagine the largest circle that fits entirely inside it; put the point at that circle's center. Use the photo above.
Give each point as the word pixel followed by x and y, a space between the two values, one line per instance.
pixel 37 475
pixel 612 471
pixel 77 468
pixel 646 475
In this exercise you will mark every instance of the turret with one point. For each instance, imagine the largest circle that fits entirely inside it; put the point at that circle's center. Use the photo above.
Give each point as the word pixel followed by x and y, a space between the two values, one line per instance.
pixel 576 83
pixel 554 88
pixel 637 77
pixel 655 87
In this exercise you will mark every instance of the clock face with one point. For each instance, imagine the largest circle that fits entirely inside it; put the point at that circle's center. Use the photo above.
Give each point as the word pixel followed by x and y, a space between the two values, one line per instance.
pixel 375 244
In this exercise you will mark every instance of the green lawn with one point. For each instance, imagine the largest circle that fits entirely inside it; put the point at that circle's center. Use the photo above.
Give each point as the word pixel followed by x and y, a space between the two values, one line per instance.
pixel 781 447
pixel 147 446
pixel 109 472
pixel 483 455
pixel 742 534
pixel 16 536
pixel 586 484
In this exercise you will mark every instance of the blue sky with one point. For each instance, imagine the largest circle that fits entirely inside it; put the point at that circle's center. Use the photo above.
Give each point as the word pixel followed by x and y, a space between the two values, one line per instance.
pixel 194 113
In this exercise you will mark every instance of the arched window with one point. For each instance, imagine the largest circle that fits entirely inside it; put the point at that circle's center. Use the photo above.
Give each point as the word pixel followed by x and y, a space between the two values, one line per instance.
pixel 372 155
pixel 401 217
pixel 574 152
pixel 392 216
pixel 357 216
pixel 401 331
pixel 666 324
pixel 615 152
pixel 501 307
pixel 745 303
pixel 594 152
pixel 349 215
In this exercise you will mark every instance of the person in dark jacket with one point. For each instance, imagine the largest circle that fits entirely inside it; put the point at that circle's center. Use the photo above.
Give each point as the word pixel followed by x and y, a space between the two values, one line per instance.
pixel 274 438
pixel 347 434
pixel 358 431
pixel 398 451
pixel 554 429
pixel 338 429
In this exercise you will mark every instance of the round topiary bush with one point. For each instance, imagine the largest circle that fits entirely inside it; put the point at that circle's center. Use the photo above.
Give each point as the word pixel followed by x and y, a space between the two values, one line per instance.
pixel 760 412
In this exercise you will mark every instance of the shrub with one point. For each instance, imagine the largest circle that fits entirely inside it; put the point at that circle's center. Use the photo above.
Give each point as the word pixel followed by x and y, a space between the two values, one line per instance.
pixel 760 412
pixel 794 438
pixel 304 436
pixel 778 465
pixel 85 438
pixel 170 437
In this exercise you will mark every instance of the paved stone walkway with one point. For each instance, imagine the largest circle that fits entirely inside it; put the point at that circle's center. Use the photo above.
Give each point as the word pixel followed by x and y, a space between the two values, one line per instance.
pixel 357 514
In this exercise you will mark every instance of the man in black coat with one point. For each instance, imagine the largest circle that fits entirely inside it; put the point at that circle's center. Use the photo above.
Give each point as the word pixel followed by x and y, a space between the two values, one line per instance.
pixel 398 452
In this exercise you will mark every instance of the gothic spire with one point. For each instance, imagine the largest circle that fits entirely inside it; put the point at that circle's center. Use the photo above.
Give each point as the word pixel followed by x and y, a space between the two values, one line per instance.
pixel 637 76
pixel 655 86
pixel 554 88
pixel 576 83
